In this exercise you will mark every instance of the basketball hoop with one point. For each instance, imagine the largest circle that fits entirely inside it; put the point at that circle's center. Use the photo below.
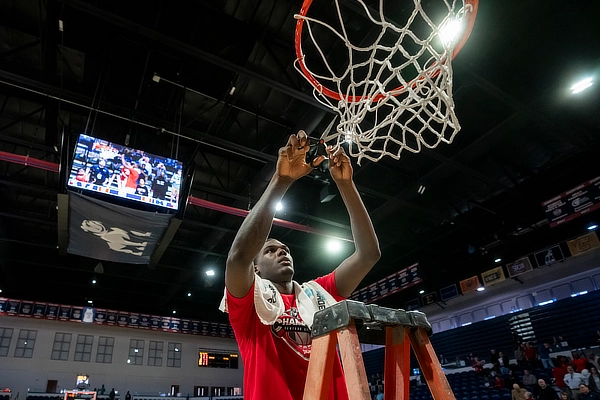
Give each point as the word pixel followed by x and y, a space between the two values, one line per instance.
pixel 395 92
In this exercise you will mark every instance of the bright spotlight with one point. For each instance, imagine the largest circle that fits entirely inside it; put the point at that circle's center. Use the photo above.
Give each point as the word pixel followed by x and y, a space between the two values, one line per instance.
pixel 421 291
pixel 279 206
pixel 334 246
pixel 581 85
pixel 210 272
pixel 480 289
pixel 497 260
pixel 348 136
pixel 592 227
pixel 449 32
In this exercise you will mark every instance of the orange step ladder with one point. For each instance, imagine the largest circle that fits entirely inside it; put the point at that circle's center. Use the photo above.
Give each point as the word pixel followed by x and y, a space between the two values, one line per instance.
pixel 403 330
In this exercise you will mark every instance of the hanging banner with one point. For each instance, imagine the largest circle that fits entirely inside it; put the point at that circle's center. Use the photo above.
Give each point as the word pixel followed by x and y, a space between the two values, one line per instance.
pixel 91 315
pixel 100 317
pixel 39 310
pixel 449 292
pixel 111 317
pixel 549 256
pixel 519 267
pixel 413 304
pixel 76 313
pixel 144 321
pixel 105 231
pixel 573 203
pixel 52 311
pixel 583 244
pixel 13 306
pixel 88 315
pixel 26 309
pixel 429 298
pixel 469 285
pixel 64 312
pixel 123 318
pixel 492 276
pixel 391 284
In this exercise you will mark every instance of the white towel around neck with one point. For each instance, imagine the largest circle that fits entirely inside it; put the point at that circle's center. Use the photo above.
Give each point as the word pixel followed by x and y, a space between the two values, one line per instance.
pixel 269 303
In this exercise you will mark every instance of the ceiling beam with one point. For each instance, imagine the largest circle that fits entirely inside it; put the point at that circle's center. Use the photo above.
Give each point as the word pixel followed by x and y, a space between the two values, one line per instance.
pixel 169 44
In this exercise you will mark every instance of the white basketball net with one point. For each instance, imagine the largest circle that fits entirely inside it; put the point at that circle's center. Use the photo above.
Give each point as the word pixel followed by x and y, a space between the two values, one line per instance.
pixel 381 111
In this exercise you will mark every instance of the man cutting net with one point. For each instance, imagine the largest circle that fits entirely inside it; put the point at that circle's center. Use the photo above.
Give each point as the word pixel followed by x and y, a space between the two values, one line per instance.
pixel 270 313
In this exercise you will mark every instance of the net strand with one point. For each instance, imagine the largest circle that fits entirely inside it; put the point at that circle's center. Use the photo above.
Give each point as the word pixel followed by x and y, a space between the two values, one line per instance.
pixel 380 111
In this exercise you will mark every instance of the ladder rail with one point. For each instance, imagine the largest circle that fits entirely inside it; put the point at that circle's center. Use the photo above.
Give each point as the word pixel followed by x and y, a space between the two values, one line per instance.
pixel 404 330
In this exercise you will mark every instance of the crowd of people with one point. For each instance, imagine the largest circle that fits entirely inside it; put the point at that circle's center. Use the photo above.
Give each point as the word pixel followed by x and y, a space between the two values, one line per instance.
pixel 134 173
pixel 561 377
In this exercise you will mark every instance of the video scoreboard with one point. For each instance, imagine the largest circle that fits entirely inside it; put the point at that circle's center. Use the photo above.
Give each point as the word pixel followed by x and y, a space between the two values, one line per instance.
pixel 217 359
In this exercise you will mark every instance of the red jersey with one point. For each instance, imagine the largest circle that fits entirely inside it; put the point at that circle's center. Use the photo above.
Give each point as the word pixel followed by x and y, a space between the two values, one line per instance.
pixel 132 178
pixel 579 364
pixel 276 356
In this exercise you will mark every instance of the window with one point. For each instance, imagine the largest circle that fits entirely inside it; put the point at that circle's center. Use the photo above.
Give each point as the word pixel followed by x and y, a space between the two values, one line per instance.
pixel 105 349
pixel 155 353
pixel 174 355
pixel 83 349
pixel 136 352
pixel 5 337
pixel 62 345
pixel 25 343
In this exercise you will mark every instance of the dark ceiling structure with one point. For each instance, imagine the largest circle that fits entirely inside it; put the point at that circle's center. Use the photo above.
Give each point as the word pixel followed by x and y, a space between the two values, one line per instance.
pixel 228 97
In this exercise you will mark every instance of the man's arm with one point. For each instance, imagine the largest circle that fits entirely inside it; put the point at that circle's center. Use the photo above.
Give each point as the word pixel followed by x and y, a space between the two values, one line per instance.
pixel 352 270
pixel 291 165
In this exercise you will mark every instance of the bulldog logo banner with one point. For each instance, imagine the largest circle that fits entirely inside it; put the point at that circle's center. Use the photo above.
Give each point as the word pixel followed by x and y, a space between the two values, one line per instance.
pixel 106 231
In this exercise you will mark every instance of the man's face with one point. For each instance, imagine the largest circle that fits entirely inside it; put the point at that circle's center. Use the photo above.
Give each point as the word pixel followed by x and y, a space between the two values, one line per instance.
pixel 274 261
pixel 570 370
pixel 542 383
pixel 583 389
pixel 101 163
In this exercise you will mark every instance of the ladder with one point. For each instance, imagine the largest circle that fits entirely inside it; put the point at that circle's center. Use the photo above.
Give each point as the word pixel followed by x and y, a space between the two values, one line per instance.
pixel 403 329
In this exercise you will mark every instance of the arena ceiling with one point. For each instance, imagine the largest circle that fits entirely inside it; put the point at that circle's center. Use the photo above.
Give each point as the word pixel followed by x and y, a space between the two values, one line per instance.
pixel 229 90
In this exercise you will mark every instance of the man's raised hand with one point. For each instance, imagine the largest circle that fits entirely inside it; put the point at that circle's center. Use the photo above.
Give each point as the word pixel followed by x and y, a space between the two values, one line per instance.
pixel 291 163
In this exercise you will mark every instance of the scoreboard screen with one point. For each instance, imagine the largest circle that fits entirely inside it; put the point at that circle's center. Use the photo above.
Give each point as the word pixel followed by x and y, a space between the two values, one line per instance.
pixel 217 359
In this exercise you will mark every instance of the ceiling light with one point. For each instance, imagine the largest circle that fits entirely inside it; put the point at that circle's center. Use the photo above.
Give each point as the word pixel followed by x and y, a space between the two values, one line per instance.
pixel 421 189
pixel 348 136
pixel 90 301
pixel 0 290
pixel 174 312
pixel 156 78
pixel 189 294
pixel 450 31
pixel 581 85
pixel 333 246
pixel 94 281
pixel 210 272
pixel 497 260
pixel 592 227
pixel 480 289
pixel 421 291
pixel 279 206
